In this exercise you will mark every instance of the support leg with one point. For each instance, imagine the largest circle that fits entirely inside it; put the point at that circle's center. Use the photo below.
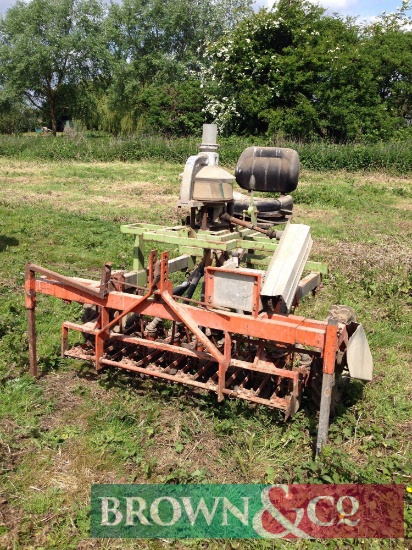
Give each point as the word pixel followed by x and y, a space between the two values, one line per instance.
pixel 328 380
pixel 223 367
pixel 30 303
pixel 101 337
pixel 325 401
pixel 31 330
pixel 65 340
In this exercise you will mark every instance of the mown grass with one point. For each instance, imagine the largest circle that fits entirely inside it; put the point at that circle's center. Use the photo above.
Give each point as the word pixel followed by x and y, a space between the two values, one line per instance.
pixel 395 156
pixel 72 428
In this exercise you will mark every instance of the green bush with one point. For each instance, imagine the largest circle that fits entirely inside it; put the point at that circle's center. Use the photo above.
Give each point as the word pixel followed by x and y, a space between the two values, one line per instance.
pixel 393 157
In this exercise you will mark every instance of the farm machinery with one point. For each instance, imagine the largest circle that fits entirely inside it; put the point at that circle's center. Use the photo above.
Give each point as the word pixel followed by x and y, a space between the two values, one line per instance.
pixel 227 325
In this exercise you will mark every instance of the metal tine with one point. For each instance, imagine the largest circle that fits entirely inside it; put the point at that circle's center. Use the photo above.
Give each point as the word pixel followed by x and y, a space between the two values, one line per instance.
pixel 134 354
pixel 215 376
pixel 175 363
pixel 233 377
pixel 132 328
pixel 245 380
pixel 149 357
pixel 262 385
pixel 277 386
pixel 121 351
pixel 186 368
pixel 203 370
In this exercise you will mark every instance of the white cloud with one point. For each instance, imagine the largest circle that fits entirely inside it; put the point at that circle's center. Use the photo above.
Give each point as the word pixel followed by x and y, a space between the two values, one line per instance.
pixel 336 5
pixel 331 5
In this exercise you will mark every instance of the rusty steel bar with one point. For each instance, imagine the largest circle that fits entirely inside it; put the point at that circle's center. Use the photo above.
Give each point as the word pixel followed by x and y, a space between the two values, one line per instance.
pixel 159 374
pixel 122 300
pixel 80 328
pixel 71 282
pixel 78 355
pixel 275 402
pixel 227 218
pixel 30 303
pixel 265 367
pixel 284 329
pixel 160 345
pixel 331 346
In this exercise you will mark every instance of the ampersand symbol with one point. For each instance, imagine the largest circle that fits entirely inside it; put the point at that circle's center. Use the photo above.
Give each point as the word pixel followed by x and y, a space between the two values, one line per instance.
pixel 268 507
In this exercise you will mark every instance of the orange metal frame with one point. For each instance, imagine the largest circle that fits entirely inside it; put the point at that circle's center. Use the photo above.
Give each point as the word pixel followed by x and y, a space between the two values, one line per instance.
pixel 269 328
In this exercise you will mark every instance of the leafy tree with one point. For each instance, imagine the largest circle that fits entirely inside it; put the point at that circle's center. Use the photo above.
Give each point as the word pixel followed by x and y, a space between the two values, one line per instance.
pixel 263 74
pixel 297 72
pixel 143 31
pixel 173 109
pixel 155 46
pixel 48 48
pixel 388 48
pixel 15 116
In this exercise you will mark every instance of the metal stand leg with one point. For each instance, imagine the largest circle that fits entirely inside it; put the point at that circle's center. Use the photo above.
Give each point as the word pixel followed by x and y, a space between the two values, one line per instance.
pixel 30 302
pixel 329 359
pixel 325 401
pixel 31 319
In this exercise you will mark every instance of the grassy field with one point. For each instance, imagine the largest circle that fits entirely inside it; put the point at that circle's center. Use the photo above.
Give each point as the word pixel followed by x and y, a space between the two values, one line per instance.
pixel 393 157
pixel 71 428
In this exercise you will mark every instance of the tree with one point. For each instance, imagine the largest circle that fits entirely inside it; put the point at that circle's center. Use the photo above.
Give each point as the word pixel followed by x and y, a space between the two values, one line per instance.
pixel 267 74
pixel 388 49
pixel 48 48
pixel 297 72
pixel 15 116
pixel 155 46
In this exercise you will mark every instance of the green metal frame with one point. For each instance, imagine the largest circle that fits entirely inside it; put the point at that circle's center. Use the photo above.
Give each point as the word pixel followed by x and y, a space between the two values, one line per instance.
pixel 194 242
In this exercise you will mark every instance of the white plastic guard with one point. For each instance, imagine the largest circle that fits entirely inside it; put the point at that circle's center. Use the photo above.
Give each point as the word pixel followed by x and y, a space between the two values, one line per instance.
pixel 288 262
pixel 359 357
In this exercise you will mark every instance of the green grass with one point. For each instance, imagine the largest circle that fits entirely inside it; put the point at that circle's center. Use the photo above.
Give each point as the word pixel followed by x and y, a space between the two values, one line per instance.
pixel 395 157
pixel 71 427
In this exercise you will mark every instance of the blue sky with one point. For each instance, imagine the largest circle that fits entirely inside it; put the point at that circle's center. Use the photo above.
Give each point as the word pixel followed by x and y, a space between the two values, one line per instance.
pixel 365 9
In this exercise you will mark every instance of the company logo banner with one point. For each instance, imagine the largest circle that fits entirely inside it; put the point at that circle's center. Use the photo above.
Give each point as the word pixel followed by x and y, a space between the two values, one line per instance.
pixel 247 511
